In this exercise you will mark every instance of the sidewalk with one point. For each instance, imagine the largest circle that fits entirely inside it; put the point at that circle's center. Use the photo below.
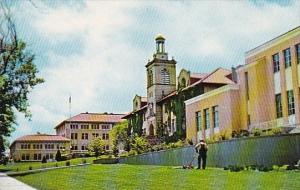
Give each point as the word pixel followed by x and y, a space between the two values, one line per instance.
pixel 9 183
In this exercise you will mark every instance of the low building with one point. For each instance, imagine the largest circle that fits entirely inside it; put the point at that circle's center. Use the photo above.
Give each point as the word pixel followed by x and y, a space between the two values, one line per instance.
pixel 265 95
pixel 82 128
pixel 35 147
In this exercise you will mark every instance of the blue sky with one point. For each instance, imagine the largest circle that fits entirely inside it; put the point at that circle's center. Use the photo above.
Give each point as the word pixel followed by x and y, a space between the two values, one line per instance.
pixel 97 51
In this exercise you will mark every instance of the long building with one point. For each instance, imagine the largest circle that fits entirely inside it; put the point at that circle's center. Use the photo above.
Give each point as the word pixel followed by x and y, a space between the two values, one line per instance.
pixel 35 147
pixel 265 94
pixel 82 128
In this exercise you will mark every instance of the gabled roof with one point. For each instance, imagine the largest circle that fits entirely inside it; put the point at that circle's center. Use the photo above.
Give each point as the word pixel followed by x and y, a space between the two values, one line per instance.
pixel 218 76
pixel 198 75
pixel 94 118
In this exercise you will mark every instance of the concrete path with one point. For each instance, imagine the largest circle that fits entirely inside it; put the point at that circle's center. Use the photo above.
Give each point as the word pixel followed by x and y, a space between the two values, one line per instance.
pixel 9 183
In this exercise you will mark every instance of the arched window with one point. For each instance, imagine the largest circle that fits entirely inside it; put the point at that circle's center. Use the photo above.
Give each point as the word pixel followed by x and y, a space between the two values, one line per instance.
pixel 165 77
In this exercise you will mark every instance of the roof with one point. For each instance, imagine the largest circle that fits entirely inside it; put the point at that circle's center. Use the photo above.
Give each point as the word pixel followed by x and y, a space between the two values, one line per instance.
pixel 40 138
pixel 218 76
pixel 94 118
pixel 159 37
pixel 198 75
pixel 133 112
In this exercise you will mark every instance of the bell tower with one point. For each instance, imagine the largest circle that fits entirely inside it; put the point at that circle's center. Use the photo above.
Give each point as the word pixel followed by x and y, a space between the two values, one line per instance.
pixel 161 81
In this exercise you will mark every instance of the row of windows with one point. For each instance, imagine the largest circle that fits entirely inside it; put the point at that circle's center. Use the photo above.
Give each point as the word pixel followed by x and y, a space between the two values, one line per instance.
pixel 215 112
pixel 36 156
pixel 85 136
pixel 287 58
pixel 291 104
pixel 165 77
pixel 83 147
pixel 93 126
pixel 40 146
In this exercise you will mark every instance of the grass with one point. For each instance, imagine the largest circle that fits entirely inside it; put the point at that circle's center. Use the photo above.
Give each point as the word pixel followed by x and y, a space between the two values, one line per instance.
pixel 139 177
pixel 24 166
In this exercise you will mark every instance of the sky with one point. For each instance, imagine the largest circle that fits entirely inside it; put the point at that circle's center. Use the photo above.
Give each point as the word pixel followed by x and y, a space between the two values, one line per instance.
pixel 96 51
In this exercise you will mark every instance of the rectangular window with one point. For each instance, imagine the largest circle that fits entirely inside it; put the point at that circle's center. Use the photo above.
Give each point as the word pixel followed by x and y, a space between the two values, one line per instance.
pixel 73 135
pixel 84 126
pixel 247 85
pixel 287 57
pixel 198 121
pixel 27 156
pixel 206 113
pixel 95 126
pixel 276 64
pixel 216 116
pixel 298 53
pixel 74 126
pixel 291 102
pixel 278 105
pixel 39 156
pixel 85 136
pixel 35 157
pixel 105 136
pixel 105 126
pixel 23 157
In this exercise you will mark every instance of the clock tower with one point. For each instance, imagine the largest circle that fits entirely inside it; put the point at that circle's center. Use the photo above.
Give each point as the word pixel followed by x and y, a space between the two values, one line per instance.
pixel 161 81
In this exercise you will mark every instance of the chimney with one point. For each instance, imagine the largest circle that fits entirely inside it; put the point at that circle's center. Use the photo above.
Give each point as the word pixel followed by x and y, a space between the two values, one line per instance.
pixel 234 74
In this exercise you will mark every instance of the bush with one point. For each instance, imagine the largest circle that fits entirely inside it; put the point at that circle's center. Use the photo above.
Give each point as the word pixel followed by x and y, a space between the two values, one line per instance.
pixel 58 156
pixel 132 153
pixel 257 132
pixel 44 160
pixel 68 163
pixel 30 167
pixel 235 168
pixel 56 165
pixel 83 161
pixel 291 167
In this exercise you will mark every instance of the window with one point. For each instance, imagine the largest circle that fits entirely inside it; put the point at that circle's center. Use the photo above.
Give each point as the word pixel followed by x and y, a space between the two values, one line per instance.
pixel 25 146
pixel 276 64
pixel 74 126
pixel 247 85
pixel 105 136
pixel 23 157
pixel 198 121
pixel 95 135
pixel 74 147
pixel 278 105
pixel 83 148
pixel 291 103
pixel 27 157
pixel 84 126
pixel 39 156
pixel 216 116
pixel 298 53
pixel 95 126
pixel 85 136
pixel 74 136
pixel 165 77
pixel 287 57
pixel 105 126
pixel 206 113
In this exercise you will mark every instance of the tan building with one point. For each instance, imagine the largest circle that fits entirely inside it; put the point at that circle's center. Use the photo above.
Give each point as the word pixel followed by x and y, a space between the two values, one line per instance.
pixel 82 128
pixel 35 147
pixel 265 94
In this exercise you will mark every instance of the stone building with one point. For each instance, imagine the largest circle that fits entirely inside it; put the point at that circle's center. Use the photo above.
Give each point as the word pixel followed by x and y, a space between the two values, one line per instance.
pixel 35 147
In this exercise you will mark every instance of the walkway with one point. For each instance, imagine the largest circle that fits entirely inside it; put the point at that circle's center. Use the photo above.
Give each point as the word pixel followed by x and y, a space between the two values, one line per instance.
pixel 9 183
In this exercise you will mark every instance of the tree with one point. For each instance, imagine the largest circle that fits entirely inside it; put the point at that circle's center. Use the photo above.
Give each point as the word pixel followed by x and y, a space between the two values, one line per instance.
pixel 58 156
pixel 17 74
pixel 139 144
pixel 96 146
pixel 119 136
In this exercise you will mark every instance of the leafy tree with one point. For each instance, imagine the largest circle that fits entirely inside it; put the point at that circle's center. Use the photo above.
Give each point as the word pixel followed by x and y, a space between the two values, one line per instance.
pixel 17 75
pixel 58 156
pixel 119 135
pixel 96 146
pixel 139 144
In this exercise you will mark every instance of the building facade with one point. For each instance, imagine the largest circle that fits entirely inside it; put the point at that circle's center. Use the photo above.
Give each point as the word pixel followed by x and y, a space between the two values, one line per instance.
pixel 265 94
pixel 162 113
pixel 84 127
pixel 35 147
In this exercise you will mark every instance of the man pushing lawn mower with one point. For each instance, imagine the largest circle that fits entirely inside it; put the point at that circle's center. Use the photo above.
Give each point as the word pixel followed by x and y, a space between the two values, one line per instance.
pixel 201 149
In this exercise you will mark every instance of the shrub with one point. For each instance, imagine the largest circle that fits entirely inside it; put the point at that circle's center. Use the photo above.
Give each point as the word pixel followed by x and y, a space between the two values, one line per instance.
pixel 235 168
pixel 44 160
pixel 56 165
pixel 30 167
pixel 190 142
pixel 179 143
pixel 291 167
pixel 216 137
pixel 68 163
pixel 58 156
pixel 132 153
pixel 257 132
pixel 83 161
pixel 277 131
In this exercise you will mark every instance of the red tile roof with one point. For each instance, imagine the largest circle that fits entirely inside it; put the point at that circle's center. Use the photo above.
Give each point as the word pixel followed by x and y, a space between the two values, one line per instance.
pixel 42 137
pixel 94 118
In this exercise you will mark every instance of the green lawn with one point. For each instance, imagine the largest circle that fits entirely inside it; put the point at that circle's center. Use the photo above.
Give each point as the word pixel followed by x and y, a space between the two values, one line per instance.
pixel 23 166
pixel 158 177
